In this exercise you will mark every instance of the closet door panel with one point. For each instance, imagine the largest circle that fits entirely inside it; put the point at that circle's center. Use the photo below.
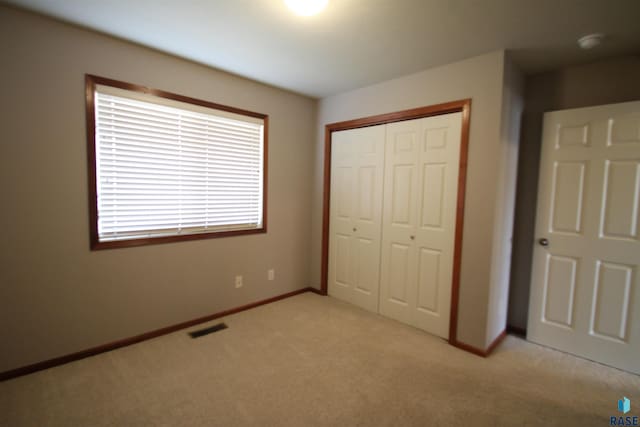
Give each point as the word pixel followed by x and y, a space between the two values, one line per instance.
pixel 402 177
pixel 419 213
pixel 355 215
pixel 397 275
pixel 429 266
pixel 439 161
pixel 340 275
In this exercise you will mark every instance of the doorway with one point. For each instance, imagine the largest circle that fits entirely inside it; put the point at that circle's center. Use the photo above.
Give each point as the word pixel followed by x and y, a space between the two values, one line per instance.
pixel 462 107
pixel 585 284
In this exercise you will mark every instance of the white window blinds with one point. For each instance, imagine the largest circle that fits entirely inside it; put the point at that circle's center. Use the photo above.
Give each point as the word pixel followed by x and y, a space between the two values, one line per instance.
pixel 166 168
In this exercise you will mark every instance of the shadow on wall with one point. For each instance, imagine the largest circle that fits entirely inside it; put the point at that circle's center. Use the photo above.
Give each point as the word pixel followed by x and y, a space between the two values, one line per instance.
pixel 604 82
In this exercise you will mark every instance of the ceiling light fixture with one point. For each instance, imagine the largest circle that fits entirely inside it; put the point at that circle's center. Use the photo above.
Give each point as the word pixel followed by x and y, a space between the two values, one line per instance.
pixel 590 41
pixel 306 7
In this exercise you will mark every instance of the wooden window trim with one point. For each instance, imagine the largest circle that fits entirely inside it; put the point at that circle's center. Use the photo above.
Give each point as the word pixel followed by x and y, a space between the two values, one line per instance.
pixel 91 81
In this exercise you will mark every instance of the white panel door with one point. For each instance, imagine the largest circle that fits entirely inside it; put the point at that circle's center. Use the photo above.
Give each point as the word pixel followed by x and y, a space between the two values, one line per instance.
pixel 357 167
pixel 585 285
pixel 422 159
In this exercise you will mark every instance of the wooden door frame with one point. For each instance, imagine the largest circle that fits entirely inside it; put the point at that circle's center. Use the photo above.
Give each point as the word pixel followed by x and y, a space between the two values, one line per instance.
pixel 463 106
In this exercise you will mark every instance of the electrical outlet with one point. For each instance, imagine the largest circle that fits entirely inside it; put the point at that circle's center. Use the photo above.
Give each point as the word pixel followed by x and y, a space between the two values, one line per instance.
pixel 271 274
pixel 238 282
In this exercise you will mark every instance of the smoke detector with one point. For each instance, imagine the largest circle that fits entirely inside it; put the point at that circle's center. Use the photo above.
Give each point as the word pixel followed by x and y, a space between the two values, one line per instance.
pixel 590 41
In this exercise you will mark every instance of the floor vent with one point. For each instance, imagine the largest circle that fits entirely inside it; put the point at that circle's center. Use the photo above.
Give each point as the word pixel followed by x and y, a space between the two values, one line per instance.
pixel 209 330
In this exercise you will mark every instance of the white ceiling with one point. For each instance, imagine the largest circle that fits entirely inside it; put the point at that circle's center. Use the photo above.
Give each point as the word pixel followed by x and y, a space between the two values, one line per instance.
pixel 354 43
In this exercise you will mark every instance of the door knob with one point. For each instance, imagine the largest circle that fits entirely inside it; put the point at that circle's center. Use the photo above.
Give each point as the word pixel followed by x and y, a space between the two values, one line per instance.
pixel 355 229
pixel 412 237
pixel 543 242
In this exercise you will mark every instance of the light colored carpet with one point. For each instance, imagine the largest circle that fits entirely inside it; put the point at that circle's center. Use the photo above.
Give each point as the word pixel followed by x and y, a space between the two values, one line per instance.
pixel 315 361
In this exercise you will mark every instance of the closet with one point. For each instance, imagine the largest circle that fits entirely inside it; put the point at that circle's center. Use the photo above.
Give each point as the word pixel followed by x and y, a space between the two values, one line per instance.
pixel 392 218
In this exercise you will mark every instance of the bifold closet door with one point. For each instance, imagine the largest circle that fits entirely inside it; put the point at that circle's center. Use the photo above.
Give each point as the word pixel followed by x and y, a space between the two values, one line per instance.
pixel 422 159
pixel 357 162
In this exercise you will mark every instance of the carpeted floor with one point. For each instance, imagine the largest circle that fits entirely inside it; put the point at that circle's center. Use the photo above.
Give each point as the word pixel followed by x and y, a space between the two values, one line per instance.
pixel 315 361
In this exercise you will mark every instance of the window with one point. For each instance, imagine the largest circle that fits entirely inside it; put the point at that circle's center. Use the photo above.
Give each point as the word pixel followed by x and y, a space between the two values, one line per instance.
pixel 164 167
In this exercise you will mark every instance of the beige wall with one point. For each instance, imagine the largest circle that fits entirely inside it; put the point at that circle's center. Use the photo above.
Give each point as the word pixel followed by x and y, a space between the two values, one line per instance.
pixel 479 78
pixel 507 163
pixel 56 296
pixel 604 82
